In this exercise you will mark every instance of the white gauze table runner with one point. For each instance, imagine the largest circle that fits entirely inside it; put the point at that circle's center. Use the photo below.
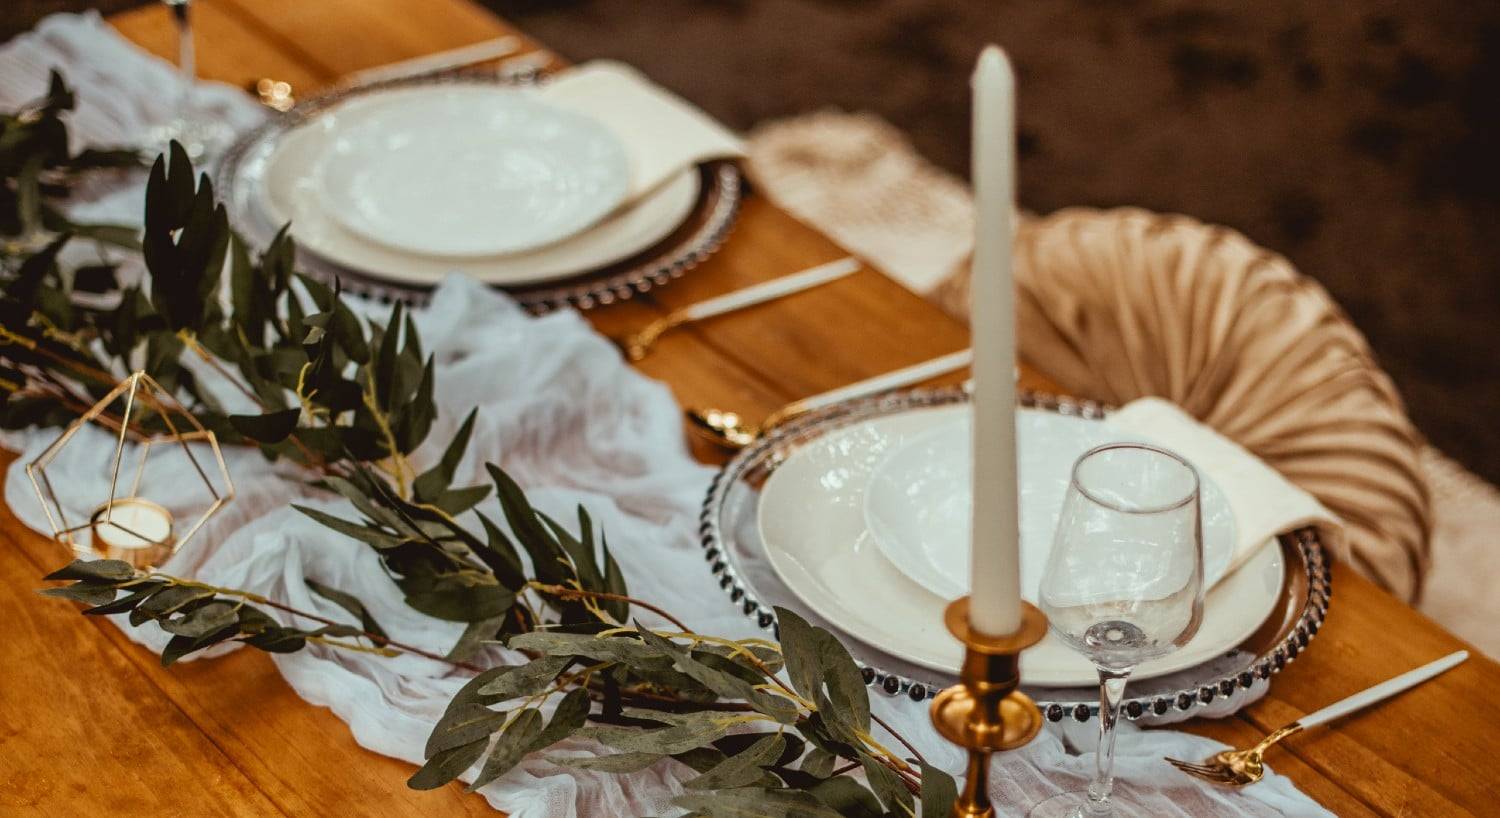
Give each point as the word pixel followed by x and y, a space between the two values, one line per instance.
pixel 562 412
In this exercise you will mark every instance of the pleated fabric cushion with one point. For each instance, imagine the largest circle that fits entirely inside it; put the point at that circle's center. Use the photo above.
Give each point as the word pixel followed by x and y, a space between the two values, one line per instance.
pixel 1120 304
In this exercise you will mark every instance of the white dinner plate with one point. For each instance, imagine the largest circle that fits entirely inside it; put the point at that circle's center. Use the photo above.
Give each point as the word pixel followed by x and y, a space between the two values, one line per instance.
pixel 920 500
pixel 470 171
pixel 812 521
pixel 286 190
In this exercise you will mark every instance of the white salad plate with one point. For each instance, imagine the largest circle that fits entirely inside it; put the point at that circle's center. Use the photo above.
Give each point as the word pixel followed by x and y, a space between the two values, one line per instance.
pixel 812 518
pixel 469 171
pixel 285 186
pixel 919 500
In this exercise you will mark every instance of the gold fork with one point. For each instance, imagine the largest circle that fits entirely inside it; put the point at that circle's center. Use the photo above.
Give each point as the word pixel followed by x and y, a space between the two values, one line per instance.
pixel 1236 768
pixel 729 430
pixel 638 344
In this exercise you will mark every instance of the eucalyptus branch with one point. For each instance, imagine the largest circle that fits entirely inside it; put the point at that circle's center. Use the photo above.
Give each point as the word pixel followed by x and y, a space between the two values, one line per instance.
pixel 579 593
pixel 761 723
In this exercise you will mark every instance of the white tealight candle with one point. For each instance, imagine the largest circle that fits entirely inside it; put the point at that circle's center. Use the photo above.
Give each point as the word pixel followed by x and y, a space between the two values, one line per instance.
pixel 135 530
pixel 995 574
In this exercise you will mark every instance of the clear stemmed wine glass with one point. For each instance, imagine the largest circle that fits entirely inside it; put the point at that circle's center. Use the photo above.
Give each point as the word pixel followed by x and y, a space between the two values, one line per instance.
pixel 1123 584
pixel 199 136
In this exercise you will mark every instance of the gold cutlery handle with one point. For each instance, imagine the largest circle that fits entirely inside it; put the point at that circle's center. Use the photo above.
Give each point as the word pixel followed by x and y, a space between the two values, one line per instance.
pixel 638 345
pixel 1275 736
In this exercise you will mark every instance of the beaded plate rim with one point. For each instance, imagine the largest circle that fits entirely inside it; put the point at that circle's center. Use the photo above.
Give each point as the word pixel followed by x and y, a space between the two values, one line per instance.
pixel 1265 665
pixel 723 190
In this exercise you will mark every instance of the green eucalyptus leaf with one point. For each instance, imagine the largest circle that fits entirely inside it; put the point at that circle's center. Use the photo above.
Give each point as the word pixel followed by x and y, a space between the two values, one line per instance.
pixel 168 600
pixel 348 602
pixel 819 763
pixel 546 556
pixel 580 558
pixel 939 791
pixel 416 413
pixel 614 583
pixel 815 660
pixel 458 596
pixel 202 621
pixel 91 595
pixel 617 763
pixel 462 725
pixel 620 648
pixel 689 732
pixel 513 743
pixel 385 359
pixel 272 427
pixel 374 537
pixel 100 570
pixel 180 646
pixel 887 785
pixel 569 716
pixel 433 482
pixel 848 798
pixel 742 769
pixel 501 557
pixel 474 637
pixel 457 501
pixel 725 684
pixel 525 680
pixel 447 765
pixel 125 603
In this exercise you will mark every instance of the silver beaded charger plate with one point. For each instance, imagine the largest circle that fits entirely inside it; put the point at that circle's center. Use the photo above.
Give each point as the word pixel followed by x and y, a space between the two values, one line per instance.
pixel 736 555
pixel 651 244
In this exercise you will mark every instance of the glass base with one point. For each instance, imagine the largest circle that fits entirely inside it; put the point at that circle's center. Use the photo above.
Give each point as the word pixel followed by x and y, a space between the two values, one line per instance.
pixel 1078 805
pixel 201 138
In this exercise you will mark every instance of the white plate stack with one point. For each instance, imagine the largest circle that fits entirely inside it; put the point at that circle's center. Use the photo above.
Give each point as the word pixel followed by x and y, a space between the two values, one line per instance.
pixel 856 516
pixel 404 184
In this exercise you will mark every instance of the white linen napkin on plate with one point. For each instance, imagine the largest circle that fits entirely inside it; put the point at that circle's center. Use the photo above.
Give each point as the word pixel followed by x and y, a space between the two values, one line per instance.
pixel 1264 503
pixel 663 133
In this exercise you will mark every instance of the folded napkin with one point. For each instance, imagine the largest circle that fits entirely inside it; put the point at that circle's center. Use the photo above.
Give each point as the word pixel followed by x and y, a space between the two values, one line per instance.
pixel 1264 503
pixel 663 134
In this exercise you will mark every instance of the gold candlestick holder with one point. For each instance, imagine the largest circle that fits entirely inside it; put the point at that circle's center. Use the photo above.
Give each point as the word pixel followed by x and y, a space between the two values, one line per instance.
pixel 985 713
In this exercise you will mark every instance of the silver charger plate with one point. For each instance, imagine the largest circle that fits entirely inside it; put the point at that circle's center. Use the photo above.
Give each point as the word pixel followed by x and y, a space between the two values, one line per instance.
pixel 700 236
pixel 736 558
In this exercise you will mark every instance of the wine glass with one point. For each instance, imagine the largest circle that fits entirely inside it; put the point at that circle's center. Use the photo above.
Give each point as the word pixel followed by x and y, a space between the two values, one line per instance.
pixel 1123 584
pixel 199 136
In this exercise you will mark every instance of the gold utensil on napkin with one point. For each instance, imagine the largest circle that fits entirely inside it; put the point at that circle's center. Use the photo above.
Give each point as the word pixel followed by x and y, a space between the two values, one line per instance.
pixel 277 94
pixel 729 430
pixel 1236 768
pixel 638 345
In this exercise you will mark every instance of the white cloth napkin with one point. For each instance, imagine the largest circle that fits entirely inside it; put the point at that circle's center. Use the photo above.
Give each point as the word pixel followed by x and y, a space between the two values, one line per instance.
pixel 1264 503
pixel 662 133
pixel 561 411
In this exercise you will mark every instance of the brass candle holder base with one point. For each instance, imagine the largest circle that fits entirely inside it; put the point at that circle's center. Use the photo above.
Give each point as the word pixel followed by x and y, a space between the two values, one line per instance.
pixel 985 713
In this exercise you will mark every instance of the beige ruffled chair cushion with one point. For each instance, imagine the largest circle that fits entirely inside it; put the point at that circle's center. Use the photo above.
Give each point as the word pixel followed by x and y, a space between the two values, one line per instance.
pixel 1119 304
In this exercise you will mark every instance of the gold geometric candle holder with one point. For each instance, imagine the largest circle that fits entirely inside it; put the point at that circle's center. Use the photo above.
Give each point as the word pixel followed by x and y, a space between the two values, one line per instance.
pixel 123 524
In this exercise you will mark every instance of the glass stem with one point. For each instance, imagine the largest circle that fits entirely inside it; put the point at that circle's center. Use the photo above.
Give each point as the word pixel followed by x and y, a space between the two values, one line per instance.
pixel 1111 693
pixel 186 70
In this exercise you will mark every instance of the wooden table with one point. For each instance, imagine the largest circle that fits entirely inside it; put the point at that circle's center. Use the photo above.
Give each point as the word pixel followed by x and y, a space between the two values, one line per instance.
pixel 91 725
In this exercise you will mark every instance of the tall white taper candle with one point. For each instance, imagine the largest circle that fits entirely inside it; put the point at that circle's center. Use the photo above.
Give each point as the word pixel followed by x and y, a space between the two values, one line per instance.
pixel 995 589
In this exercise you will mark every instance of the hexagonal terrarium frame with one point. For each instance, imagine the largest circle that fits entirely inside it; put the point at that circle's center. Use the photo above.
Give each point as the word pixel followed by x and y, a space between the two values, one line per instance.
pixel 142 394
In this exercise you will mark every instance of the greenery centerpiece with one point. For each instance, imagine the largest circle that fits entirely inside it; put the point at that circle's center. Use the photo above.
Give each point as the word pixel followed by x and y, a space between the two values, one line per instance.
pixel 770 729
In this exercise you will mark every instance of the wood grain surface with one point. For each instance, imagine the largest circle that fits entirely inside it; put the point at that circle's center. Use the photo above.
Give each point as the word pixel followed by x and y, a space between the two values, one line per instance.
pixel 90 724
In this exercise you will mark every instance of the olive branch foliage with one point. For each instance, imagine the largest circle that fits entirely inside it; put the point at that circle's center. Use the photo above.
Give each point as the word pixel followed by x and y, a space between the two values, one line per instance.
pixel 769 729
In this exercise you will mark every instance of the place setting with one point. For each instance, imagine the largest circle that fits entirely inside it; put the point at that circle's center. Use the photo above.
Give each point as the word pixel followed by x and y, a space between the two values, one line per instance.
pixel 574 187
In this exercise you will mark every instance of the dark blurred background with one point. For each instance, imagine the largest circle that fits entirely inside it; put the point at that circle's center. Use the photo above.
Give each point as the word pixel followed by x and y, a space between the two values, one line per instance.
pixel 1358 138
